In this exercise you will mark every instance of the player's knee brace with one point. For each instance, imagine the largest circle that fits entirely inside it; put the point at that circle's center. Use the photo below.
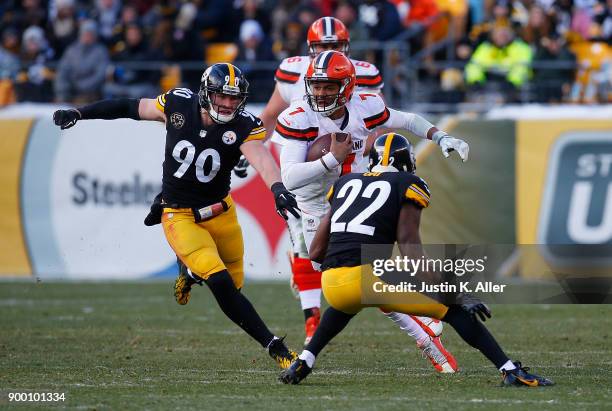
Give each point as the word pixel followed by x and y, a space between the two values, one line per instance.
pixel 305 276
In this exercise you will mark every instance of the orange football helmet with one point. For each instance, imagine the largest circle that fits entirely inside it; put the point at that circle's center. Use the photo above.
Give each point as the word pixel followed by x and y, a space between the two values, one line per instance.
pixel 328 30
pixel 330 66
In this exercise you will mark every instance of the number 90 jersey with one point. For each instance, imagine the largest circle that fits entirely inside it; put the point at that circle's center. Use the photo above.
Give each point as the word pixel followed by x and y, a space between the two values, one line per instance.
pixel 199 159
pixel 365 209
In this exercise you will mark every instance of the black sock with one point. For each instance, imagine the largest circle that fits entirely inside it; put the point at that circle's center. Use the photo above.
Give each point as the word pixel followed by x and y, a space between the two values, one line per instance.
pixel 238 308
pixel 332 322
pixel 309 312
pixel 475 334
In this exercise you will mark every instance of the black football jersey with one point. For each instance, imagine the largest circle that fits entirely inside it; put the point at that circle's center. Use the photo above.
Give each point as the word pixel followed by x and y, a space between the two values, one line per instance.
pixel 365 209
pixel 199 159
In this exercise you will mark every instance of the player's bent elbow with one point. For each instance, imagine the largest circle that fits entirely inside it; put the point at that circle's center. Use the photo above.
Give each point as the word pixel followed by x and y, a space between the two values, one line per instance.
pixel 316 254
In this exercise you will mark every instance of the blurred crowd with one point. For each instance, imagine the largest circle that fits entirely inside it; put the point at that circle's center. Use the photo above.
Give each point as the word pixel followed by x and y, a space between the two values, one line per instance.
pixel 77 51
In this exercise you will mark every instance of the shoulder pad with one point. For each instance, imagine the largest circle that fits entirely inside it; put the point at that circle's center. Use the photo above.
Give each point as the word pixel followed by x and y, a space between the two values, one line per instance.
pixel 368 76
pixel 174 98
pixel 293 123
pixel 291 68
pixel 417 191
pixel 373 108
pixel 253 126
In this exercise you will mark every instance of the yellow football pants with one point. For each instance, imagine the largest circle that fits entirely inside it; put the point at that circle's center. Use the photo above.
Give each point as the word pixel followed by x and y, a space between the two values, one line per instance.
pixel 209 246
pixel 342 290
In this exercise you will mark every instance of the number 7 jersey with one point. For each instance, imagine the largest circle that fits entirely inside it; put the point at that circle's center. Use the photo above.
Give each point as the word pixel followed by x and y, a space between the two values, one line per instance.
pixel 365 209
pixel 199 159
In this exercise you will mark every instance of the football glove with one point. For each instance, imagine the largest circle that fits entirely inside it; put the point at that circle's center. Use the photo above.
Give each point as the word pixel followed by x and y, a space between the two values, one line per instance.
pixel 474 306
pixel 284 200
pixel 449 143
pixel 66 118
pixel 241 168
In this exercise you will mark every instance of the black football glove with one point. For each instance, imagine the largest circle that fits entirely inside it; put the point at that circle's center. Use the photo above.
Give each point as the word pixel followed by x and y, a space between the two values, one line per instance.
pixel 474 306
pixel 66 118
pixel 284 200
pixel 241 168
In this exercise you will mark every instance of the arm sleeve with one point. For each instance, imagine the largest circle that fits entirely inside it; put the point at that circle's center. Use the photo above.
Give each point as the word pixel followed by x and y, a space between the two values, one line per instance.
pixel 296 172
pixel 408 121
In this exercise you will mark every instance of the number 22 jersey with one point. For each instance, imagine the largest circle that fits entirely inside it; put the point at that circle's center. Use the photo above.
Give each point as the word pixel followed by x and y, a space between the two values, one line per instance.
pixel 365 209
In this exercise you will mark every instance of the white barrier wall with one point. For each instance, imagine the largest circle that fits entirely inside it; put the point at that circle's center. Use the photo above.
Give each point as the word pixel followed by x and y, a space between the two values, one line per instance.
pixel 83 194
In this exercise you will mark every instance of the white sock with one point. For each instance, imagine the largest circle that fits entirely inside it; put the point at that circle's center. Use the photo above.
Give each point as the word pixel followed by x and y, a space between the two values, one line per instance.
pixel 310 298
pixel 508 366
pixel 308 357
pixel 408 325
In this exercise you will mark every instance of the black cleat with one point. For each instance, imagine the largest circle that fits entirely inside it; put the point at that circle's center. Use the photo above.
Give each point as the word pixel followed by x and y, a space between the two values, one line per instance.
pixel 519 377
pixel 183 283
pixel 295 373
pixel 280 353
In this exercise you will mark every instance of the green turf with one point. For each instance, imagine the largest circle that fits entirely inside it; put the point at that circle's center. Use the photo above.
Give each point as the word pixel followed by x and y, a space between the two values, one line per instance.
pixel 130 346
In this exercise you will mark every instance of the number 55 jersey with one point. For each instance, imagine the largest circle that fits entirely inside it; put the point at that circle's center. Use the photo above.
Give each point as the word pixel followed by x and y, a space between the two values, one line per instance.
pixel 199 159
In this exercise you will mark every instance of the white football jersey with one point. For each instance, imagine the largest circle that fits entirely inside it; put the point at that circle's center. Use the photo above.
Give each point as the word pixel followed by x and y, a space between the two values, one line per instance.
pixel 290 77
pixel 299 126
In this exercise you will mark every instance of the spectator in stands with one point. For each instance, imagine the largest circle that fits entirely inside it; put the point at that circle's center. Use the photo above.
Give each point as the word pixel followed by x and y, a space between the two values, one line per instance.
pixel 31 13
pixel 106 14
pixel 63 26
pixel 254 10
pixel 217 19
pixel 500 64
pixel 35 79
pixel 129 81
pixel 129 16
pixel 603 17
pixel 538 26
pixel 254 47
pixel 552 84
pixel 186 41
pixel 9 61
pixel 347 14
pixel 82 69
pixel 382 19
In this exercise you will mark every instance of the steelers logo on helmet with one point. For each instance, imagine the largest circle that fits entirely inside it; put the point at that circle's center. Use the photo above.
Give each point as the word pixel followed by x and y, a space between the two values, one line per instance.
pixel 223 92
pixel 330 81
pixel 392 152
pixel 327 33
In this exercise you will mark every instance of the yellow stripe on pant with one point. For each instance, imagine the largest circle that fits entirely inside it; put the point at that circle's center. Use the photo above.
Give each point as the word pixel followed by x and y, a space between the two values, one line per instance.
pixel 209 246
pixel 14 258
pixel 342 290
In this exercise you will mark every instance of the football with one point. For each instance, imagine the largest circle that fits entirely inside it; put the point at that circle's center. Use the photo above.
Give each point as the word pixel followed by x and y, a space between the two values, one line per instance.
pixel 321 145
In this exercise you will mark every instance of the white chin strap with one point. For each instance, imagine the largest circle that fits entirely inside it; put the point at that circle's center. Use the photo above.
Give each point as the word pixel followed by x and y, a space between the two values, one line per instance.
pixel 220 118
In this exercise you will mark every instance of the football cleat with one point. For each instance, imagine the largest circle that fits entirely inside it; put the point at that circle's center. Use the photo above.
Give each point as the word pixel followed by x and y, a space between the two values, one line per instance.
pixel 519 377
pixel 183 283
pixel 297 371
pixel 442 360
pixel 311 324
pixel 280 353
pixel 431 326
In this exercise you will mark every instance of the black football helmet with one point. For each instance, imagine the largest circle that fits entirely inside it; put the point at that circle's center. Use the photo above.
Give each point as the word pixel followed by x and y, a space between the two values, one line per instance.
pixel 392 150
pixel 222 78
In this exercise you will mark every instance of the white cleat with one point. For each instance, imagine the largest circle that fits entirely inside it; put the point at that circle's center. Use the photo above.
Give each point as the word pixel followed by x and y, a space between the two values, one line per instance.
pixel 440 358
pixel 431 326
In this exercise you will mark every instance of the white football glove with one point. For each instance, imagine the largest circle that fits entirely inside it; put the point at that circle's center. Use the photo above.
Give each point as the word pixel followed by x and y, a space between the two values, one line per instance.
pixel 449 143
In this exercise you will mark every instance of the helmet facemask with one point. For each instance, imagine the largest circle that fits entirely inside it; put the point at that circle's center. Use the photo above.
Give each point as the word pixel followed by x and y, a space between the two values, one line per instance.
pixel 209 94
pixel 329 103
pixel 339 45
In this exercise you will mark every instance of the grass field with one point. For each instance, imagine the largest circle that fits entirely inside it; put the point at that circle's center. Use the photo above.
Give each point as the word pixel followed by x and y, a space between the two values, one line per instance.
pixel 130 346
